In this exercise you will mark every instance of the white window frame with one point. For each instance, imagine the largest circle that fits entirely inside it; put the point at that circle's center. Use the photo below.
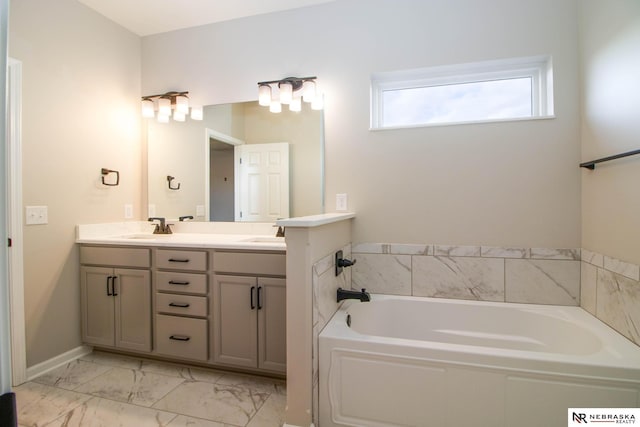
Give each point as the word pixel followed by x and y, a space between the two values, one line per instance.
pixel 538 68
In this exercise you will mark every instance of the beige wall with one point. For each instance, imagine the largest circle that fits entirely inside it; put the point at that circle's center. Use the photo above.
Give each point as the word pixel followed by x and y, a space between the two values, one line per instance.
pixel 498 184
pixel 81 89
pixel 610 65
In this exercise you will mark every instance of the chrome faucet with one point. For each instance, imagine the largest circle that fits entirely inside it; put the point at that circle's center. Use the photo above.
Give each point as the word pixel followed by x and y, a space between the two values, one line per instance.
pixel 161 228
pixel 362 295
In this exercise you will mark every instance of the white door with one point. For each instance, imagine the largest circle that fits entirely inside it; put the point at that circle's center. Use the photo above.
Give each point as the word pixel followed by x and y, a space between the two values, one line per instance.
pixel 263 182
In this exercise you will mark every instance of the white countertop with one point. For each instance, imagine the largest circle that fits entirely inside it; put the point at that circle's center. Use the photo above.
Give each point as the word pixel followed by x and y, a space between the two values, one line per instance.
pixel 229 235
pixel 139 234
pixel 315 220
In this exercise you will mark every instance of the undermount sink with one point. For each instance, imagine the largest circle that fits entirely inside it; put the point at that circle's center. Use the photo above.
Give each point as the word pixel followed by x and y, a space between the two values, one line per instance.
pixel 266 239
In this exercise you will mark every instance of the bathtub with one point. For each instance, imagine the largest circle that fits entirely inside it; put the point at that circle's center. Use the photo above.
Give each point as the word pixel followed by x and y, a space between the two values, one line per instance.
pixel 408 361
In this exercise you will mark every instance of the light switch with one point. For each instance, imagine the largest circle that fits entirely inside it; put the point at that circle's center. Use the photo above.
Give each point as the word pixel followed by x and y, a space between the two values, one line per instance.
pixel 128 211
pixel 199 210
pixel 341 202
pixel 36 215
pixel 151 210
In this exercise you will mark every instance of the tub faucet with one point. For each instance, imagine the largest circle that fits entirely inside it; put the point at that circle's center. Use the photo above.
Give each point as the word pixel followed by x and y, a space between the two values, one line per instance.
pixel 161 228
pixel 362 295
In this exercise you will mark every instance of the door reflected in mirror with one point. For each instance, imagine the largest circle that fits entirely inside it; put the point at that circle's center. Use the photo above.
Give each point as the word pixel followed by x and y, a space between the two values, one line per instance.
pixel 240 163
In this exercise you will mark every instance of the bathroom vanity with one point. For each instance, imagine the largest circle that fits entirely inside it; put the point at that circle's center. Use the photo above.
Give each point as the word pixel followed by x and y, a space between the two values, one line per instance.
pixel 212 299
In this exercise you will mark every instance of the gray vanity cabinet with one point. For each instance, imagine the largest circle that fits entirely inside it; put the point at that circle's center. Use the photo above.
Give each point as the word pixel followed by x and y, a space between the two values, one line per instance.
pixel 249 327
pixel 116 301
pixel 181 304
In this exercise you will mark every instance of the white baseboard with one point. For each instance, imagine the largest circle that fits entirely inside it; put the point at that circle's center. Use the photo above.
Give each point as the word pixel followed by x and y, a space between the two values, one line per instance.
pixel 292 425
pixel 64 358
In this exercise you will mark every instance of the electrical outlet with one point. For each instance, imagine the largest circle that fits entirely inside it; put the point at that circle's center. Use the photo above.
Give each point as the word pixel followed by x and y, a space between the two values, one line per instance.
pixel 199 210
pixel 151 210
pixel 128 211
pixel 341 202
pixel 36 215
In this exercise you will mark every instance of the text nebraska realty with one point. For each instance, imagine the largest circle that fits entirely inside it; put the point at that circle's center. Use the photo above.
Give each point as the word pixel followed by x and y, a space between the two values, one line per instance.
pixel 605 418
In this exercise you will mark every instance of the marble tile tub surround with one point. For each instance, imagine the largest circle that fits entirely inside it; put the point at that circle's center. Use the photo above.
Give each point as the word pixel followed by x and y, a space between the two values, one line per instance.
pixel 611 292
pixel 484 273
pixel 325 285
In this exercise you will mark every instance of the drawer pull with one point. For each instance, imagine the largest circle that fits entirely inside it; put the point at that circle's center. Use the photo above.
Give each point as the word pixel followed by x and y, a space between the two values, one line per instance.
pixel 178 260
pixel 178 304
pixel 179 338
pixel 175 282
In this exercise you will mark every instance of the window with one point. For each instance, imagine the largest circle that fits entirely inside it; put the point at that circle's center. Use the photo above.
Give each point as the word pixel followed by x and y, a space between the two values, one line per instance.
pixel 511 89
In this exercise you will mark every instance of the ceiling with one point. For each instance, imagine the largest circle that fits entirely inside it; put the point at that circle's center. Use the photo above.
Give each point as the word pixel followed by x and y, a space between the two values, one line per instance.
pixel 146 17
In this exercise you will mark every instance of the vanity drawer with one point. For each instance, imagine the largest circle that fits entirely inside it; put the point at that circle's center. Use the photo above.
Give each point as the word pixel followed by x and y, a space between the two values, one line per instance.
pixel 187 305
pixel 115 257
pixel 181 337
pixel 181 260
pixel 188 283
pixel 274 264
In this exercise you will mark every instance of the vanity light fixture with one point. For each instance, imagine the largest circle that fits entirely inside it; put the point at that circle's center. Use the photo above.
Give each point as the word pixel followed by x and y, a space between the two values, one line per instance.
pixel 289 91
pixel 169 104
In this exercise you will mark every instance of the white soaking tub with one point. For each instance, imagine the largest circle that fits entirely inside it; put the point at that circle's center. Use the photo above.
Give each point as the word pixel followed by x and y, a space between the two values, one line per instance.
pixel 408 361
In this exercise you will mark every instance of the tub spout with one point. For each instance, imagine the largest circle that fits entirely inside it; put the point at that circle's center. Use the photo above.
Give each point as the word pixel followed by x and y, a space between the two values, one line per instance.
pixel 362 295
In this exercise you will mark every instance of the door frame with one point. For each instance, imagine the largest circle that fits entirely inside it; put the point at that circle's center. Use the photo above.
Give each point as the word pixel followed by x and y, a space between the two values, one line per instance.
pixel 227 139
pixel 14 223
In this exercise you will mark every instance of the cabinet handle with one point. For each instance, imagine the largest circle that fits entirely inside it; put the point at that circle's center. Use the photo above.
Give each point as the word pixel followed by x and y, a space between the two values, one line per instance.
pixel 259 302
pixel 113 286
pixel 253 305
pixel 179 338
pixel 177 304
pixel 175 282
pixel 109 294
pixel 178 260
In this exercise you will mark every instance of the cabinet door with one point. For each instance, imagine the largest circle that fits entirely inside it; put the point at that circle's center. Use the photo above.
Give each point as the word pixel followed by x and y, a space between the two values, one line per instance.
pixel 98 321
pixel 272 324
pixel 235 338
pixel 133 309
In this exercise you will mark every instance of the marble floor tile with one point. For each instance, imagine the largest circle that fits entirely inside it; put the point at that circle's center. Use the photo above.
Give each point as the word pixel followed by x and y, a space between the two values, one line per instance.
pixel 271 414
pixel 39 404
pixel 131 386
pixel 188 373
pixel 182 421
pixel 121 391
pixel 98 412
pixel 73 374
pixel 261 384
pixel 112 359
pixel 215 402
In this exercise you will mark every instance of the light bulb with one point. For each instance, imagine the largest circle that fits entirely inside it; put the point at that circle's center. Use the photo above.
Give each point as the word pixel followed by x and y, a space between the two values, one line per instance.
pixel 318 102
pixel 296 104
pixel 196 112
pixel 182 104
pixel 178 116
pixel 308 90
pixel 164 107
pixel 147 108
pixel 264 95
pixel 275 107
pixel 286 92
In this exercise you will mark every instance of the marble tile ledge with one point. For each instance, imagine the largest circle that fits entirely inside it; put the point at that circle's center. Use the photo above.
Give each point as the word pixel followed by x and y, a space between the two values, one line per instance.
pixel 614 265
pixel 569 254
